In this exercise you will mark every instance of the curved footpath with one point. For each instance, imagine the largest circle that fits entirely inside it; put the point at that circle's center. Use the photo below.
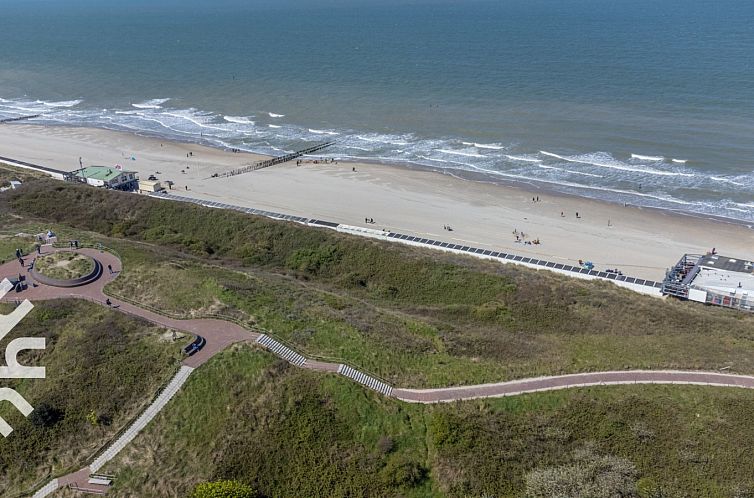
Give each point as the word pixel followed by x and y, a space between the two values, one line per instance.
pixel 220 334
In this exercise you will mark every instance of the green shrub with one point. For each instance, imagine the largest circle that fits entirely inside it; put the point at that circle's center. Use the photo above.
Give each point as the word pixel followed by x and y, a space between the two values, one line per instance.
pixel 223 489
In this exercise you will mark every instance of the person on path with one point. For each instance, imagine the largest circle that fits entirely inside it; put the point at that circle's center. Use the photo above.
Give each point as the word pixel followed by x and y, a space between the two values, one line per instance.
pixel 108 302
pixel 18 253
pixel 110 269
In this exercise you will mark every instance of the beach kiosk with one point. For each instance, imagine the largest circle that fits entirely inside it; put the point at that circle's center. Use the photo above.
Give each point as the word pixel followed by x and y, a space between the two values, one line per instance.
pixel 115 178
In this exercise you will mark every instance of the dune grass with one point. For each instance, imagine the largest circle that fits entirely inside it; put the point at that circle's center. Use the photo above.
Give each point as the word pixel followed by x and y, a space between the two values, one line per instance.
pixel 289 432
pixel 64 265
pixel 102 369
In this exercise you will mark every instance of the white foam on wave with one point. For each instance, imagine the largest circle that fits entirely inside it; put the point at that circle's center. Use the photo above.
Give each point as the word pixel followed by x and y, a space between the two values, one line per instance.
pixel 382 140
pixel 323 132
pixel 525 159
pixel 274 126
pixel 151 104
pixel 62 103
pixel 238 119
pixel 679 161
pixel 484 146
pixel 459 153
pixel 192 116
pixel 725 180
pixel 570 171
pixel 647 158
pixel 273 115
pixel 616 166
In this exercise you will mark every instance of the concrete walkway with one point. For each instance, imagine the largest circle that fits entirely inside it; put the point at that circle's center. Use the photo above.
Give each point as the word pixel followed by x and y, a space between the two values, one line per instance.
pixel 219 334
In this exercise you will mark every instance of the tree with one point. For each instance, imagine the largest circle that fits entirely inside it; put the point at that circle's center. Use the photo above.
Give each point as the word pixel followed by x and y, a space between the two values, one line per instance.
pixel 223 489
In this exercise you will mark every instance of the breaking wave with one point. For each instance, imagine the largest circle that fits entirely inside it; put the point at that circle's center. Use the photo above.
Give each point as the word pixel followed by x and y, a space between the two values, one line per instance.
pixel 641 180
pixel 151 104
pixel 647 158
pixel 238 119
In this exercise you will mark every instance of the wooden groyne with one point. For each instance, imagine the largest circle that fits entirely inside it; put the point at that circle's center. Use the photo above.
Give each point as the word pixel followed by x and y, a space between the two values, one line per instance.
pixel 20 118
pixel 266 163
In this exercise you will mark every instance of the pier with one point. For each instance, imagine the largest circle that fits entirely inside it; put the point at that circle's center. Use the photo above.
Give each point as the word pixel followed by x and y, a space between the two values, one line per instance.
pixel 20 118
pixel 266 163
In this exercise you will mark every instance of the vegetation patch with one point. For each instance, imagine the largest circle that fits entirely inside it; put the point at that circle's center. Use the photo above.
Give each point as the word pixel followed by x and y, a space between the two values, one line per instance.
pixel 283 431
pixel 102 369
pixel 64 265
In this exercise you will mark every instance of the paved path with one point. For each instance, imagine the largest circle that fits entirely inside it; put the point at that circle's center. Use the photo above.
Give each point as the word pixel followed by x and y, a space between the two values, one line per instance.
pixel 219 334
pixel 538 384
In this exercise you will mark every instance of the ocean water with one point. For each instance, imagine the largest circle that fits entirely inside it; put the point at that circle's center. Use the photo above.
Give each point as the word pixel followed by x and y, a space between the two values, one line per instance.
pixel 638 101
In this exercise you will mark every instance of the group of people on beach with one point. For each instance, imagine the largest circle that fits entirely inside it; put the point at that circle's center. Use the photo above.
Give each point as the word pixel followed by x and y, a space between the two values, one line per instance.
pixel 299 162
pixel 521 238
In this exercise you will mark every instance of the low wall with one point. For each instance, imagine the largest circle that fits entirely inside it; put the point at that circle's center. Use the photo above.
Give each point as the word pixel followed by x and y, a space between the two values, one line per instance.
pixel 54 282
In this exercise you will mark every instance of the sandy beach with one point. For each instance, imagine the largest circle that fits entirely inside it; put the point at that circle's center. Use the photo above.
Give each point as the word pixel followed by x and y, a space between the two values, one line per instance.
pixel 639 242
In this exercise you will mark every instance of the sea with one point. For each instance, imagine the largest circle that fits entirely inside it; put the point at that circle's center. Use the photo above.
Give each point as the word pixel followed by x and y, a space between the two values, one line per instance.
pixel 644 102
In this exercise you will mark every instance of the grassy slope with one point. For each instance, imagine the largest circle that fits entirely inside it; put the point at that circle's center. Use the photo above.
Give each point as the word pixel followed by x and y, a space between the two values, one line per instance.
pixel 292 432
pixel 96 360
pixel 418 318
pixel 285 430
pixel 295 433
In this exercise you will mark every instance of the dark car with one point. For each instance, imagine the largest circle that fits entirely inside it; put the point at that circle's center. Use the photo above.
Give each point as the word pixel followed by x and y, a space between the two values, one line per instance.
pixel 195 346
pixel 152 177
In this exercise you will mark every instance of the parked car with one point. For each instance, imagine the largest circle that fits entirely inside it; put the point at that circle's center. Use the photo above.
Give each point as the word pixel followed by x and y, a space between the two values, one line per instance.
pixel 195 346
pixel 152 177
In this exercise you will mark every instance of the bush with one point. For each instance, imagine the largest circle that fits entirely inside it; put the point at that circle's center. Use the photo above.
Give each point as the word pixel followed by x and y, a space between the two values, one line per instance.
pixel 591 476
pixel 403 472
pixel 223 489
pixel 314 260
pixel 46 415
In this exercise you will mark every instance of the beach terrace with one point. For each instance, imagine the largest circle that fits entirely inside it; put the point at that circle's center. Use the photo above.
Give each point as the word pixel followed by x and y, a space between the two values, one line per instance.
pixel 712 279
